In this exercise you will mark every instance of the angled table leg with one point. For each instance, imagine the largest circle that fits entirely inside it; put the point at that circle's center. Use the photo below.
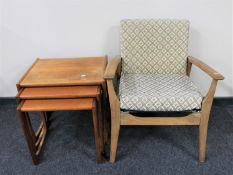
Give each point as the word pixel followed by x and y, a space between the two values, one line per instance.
pixel 27 133
pixel 35 140
pixel 96 132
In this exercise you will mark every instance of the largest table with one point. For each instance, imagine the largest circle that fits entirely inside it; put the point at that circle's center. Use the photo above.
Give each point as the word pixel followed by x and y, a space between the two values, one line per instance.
pixel 56 81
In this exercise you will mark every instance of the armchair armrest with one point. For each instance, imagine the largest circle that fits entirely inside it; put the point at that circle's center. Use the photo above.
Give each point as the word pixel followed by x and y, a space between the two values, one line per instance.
pixel 204 67
pixel 112 68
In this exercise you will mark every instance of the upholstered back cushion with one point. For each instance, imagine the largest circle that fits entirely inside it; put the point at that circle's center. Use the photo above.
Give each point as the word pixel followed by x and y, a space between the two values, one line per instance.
pixel 154 46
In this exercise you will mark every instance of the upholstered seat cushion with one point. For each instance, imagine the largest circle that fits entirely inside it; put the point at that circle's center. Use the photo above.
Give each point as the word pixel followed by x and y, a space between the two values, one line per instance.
pixel 158 92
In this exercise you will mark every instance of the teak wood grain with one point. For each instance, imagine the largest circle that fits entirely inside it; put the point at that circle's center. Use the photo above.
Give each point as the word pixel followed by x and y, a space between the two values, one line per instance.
pixel 63 72
pixel 21 79
pixel 59 92
pixel 57 104
pixel 61 84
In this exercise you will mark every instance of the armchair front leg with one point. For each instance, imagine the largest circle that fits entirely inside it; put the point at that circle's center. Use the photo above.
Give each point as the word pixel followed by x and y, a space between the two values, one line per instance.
pixel 205 113
pixel 112 69
pixel 115 120
pixel 207 102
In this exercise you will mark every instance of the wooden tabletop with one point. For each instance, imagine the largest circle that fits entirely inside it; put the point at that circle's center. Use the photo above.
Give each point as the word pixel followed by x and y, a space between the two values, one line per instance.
pixel 65 72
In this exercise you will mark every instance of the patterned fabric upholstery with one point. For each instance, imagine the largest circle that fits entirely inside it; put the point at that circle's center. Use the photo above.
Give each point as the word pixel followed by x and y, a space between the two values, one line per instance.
pixel 158 92
pixel 154 46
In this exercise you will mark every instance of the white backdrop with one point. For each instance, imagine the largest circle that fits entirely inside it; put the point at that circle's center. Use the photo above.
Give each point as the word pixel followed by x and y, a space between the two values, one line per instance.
pixel 71 28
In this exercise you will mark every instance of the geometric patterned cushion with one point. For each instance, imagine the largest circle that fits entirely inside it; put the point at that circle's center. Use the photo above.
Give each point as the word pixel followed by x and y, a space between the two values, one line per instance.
pixel 154 46
pixel 158 92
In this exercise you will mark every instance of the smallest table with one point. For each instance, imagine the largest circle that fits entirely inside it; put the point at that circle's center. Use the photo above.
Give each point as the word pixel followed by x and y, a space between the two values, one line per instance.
pixel 35 140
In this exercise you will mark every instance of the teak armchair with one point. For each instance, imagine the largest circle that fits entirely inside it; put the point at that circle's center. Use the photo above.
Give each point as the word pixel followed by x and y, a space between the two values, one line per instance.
pixel 146 67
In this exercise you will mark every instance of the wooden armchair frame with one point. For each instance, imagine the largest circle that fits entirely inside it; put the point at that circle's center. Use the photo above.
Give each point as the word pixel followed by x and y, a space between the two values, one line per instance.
pixel 201 118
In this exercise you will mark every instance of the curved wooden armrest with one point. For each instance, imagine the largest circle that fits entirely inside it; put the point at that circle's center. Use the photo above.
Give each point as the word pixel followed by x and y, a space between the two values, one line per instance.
pixel 207 69
pixel 112 68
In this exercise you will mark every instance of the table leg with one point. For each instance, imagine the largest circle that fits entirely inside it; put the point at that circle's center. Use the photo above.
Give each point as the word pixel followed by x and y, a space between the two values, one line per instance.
pixel 96 133
pixel 30 129
pixel 35 141
pixel 101 122
pixel 27 129
pixel 106 115
pixel 41 133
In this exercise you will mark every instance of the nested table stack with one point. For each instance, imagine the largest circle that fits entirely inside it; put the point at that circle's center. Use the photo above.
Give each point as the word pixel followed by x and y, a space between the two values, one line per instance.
pixel 59 85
